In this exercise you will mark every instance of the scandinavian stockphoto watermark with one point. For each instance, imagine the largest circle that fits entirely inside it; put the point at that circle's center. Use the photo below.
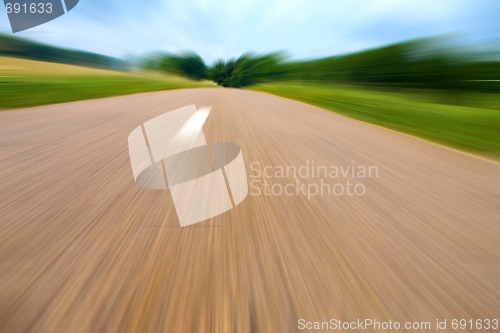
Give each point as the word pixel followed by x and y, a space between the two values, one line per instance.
pixel 26 14
pixel 170 152
pixel 311 179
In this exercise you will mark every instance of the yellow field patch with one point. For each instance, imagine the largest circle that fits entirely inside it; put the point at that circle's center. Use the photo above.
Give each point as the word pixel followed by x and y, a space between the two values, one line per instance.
pixel 24 67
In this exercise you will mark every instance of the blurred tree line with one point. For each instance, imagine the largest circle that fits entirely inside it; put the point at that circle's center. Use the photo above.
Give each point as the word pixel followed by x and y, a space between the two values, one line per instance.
pixel 249 69
pixel 430 63
pixel 24 48
pixel 426 63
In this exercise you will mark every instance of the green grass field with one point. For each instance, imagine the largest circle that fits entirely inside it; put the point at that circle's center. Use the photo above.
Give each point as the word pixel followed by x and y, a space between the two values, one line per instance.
pixel 469 122
pixel 26 83
pixel 18 92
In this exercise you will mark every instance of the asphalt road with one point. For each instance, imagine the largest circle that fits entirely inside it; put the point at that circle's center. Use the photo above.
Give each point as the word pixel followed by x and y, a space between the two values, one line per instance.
pixel 83 249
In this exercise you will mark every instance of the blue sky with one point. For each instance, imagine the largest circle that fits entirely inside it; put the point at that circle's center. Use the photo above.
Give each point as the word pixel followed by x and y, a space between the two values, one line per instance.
pixel 227 28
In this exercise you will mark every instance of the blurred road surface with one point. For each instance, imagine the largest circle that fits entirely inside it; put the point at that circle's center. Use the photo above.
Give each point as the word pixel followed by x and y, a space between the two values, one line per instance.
pixel 83 249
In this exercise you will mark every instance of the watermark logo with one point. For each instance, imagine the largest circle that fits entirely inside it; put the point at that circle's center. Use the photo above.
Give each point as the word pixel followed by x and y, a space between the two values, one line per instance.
pixel 170 152
pixel 26 14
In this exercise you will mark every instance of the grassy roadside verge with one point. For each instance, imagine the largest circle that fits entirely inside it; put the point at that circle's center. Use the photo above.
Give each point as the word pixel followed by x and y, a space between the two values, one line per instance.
pixel 25 82
pixel 472 128
pixel 24 91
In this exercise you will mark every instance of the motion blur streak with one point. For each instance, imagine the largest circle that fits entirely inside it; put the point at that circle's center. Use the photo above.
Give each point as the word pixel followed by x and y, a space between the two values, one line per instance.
pixel 82 249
